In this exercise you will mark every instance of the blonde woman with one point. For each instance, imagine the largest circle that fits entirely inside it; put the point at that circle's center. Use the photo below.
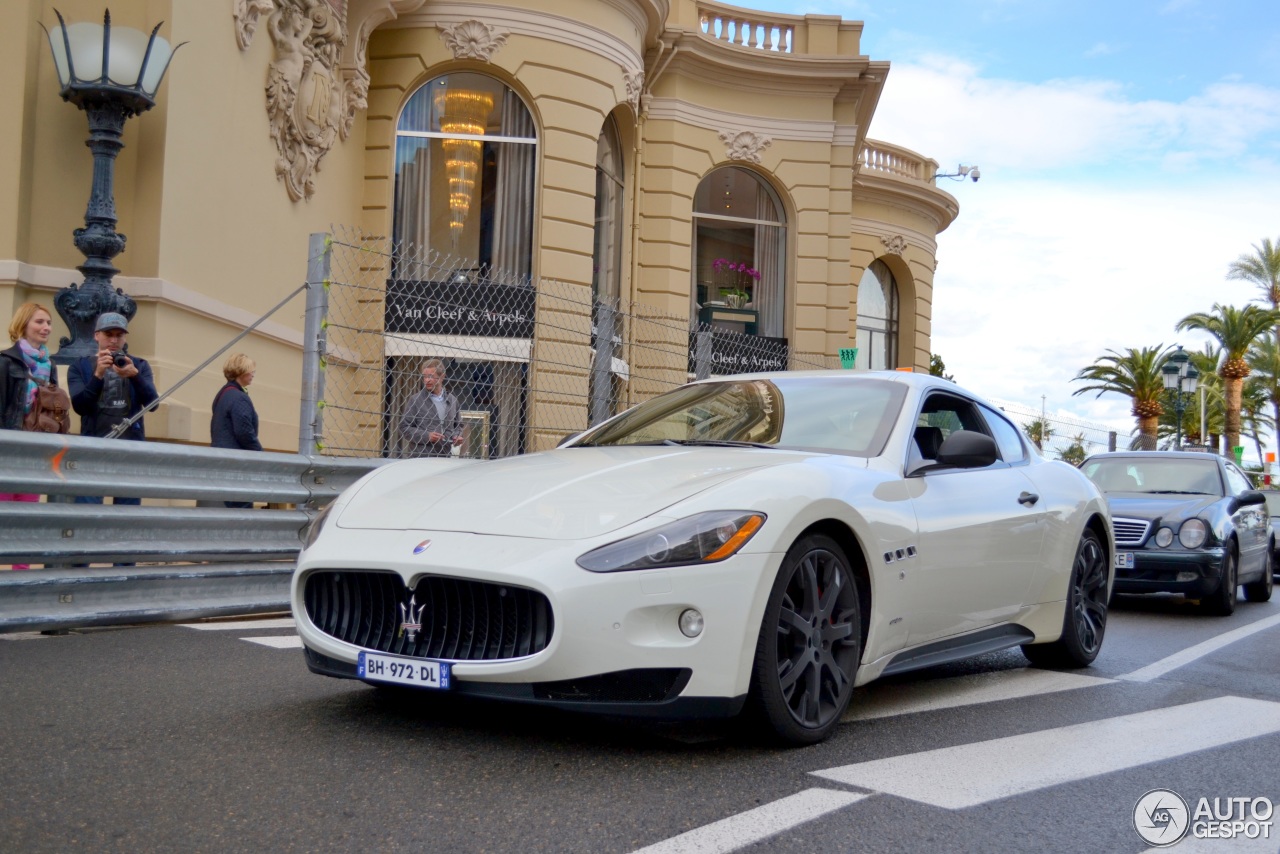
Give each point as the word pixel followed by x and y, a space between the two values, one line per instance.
pixel 235 421
pixel 23 367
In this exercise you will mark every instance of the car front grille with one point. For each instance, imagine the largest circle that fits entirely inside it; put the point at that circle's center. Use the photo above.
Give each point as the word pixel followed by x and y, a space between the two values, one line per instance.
pixel 1130 532
pixel 459 620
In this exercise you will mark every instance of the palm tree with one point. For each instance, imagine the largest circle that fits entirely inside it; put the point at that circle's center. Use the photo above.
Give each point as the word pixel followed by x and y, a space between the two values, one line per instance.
pixel 1253 417
pixel 1206 362
pixel 1264 367
pixel 1136 375
pixel 1235 329
pixel 1039 432
pixel 1074 453
pixel 1263 269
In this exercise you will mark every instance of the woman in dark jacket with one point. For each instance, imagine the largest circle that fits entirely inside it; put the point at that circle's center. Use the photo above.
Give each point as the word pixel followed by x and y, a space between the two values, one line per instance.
pixel 21 367
pixel 235 421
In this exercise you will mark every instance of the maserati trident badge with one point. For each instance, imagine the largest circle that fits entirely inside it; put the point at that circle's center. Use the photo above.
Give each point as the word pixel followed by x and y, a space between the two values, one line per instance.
pixel 410 619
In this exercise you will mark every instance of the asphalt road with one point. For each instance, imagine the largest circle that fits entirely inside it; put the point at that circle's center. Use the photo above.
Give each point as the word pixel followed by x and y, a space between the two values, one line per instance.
pixel 176 738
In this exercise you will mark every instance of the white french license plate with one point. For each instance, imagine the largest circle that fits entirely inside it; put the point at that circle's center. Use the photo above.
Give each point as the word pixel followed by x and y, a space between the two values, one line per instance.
pixel 1124 560
pixel 418 672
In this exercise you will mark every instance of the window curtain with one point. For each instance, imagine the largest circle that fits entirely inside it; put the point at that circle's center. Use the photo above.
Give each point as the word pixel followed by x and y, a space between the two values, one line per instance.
pixel 513 202
pixel 769 297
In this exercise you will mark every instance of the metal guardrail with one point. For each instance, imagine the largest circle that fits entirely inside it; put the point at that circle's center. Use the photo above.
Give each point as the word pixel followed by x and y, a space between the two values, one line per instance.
pixel 218 560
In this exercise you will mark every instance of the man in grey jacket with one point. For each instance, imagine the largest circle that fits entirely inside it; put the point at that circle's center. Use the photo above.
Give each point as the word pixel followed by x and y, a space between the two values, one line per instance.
pixel 431 424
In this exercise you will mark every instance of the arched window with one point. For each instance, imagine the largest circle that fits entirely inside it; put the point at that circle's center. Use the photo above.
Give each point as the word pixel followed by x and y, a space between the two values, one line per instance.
pixel 739 243
pixel 465 153
pixel 877 319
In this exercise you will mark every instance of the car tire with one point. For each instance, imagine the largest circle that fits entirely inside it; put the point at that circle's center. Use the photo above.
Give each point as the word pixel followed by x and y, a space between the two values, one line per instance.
pixel 809 645
pixel 1084 622
pixel 1260 590
pixel 1222 602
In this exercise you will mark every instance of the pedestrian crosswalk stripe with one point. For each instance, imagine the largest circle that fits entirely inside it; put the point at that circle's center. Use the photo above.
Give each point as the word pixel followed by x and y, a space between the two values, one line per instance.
pixel 278 641
pixel 745 828
pixel 970 774
pixel 1200 650
pixel 236 625
pixel 886 699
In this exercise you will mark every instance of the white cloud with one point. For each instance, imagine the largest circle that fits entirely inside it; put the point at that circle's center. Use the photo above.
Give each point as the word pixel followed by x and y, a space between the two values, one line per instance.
pixel 1098 224
pixel 1100 49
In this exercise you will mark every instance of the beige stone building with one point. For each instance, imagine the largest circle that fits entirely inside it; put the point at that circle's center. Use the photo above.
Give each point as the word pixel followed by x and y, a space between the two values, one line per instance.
pixel 637 149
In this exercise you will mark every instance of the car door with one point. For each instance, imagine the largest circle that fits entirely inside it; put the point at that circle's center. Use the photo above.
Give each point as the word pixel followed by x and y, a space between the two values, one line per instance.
pixel 980 531
pixel 1252 523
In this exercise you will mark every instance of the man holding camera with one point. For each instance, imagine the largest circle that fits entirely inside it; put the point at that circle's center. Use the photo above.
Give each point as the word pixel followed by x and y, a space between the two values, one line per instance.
pixel 112 387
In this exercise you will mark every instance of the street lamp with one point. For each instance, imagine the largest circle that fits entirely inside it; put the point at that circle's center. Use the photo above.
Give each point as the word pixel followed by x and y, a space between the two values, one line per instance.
pixel 1180 377
pixel 111 73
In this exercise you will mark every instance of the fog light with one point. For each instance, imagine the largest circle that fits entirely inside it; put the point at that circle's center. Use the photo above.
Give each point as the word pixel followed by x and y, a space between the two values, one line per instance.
pixel 690 623
pixel 1187 576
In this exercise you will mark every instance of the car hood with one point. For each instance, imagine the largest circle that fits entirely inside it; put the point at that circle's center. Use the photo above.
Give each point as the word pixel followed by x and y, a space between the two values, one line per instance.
pixel 1167 507
pixel 566 494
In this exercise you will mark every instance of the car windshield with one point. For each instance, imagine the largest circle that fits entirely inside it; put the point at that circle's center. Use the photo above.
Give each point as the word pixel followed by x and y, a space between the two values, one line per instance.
pixel 1156 474
pixel 1273 502
pixel 842 415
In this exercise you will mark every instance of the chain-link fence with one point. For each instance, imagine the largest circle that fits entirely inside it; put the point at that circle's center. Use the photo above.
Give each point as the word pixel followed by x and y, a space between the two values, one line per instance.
pixel 529 362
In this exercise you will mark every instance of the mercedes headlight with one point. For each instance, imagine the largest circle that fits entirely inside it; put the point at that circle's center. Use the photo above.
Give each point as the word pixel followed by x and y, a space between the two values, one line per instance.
pixel 704 538
pixel 1193 533
pixel 312 531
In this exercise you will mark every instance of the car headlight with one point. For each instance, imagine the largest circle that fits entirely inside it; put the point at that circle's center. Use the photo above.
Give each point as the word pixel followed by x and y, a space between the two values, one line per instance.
pixel 1193 533
pixel 1164 537
pixel 312 531
pixel 704 538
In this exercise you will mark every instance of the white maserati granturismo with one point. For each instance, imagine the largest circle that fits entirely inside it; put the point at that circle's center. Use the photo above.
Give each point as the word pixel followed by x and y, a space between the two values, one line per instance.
pixel 763 542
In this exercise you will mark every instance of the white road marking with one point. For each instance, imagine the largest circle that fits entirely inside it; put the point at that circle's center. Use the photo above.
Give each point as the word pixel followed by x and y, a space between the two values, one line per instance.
pixel 1200 650
pixel 972 774
pixel 738 831
pixel 882 700
pixel 236 625
pixel 278 641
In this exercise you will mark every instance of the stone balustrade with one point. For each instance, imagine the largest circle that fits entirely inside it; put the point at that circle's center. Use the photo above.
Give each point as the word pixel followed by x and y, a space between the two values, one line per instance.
pixel 898 161
pixel 748 27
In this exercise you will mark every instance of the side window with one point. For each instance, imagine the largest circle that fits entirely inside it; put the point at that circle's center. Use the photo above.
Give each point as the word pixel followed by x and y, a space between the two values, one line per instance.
pixel 1236 481
pixel 1006 435
pixel 942 415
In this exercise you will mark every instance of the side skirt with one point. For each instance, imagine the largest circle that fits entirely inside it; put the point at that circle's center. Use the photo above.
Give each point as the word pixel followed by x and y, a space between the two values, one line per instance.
pixel 957 648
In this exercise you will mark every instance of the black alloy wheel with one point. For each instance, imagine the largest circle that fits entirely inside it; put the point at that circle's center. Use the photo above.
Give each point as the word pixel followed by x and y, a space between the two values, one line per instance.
pixel 1222 602
pixel 810 643
pixel 1084 622
pixel 1260 590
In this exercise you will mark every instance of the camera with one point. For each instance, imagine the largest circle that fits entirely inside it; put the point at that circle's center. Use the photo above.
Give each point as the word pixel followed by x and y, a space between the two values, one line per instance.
pixel 120 360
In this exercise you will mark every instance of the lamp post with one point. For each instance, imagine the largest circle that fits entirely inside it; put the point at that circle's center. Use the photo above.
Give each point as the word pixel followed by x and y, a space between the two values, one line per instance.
pixel 1180 377
pixel 111 73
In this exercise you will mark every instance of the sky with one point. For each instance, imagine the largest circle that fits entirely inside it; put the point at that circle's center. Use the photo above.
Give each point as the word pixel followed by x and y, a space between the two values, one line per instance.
pixel 1129 151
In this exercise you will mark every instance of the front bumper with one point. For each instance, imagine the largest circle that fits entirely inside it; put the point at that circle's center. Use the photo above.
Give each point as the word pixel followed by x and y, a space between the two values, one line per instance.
pixel 1157 571
pixel 605 624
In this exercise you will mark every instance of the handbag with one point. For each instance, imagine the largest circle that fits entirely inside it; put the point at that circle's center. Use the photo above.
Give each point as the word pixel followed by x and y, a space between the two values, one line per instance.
pixel 50 410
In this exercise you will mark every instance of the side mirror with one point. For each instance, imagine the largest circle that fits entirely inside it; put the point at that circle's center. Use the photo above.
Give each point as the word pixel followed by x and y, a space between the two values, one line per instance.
pixel 1248 498
pixel 968 449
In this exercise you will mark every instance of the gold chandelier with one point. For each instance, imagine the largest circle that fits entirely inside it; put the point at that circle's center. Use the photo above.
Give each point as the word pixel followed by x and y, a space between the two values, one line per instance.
pixel 462 112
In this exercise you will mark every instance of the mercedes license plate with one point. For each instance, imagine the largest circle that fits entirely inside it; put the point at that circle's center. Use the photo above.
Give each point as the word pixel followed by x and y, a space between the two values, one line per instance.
pixel 418 672
pixel 1124 560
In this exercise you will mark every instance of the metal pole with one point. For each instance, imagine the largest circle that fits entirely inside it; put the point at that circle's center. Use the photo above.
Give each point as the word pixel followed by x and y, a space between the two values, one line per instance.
pixel 313 342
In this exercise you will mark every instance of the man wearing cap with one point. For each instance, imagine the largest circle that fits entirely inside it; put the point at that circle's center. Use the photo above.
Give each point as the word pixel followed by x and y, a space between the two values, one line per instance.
pixel 110 388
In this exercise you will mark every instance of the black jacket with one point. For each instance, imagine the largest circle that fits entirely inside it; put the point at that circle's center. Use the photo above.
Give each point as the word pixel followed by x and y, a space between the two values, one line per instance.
pixel 13 388
pixel 235 421
pixel 85 389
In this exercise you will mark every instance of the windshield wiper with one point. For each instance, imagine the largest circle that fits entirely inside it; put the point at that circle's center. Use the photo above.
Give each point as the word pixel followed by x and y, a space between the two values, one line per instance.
pixel 1178 492
pixel 717 443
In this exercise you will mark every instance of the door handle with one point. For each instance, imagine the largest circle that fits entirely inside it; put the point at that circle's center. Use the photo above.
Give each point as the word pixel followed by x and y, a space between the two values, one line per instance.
pixel 1028 498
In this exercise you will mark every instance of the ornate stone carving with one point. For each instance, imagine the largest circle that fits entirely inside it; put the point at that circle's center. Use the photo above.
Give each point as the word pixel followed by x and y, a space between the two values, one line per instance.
pixel 635 85
pixel 894 245
pixel 473 40
pixel 306 98
pixel 744 145
pixel 246 14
